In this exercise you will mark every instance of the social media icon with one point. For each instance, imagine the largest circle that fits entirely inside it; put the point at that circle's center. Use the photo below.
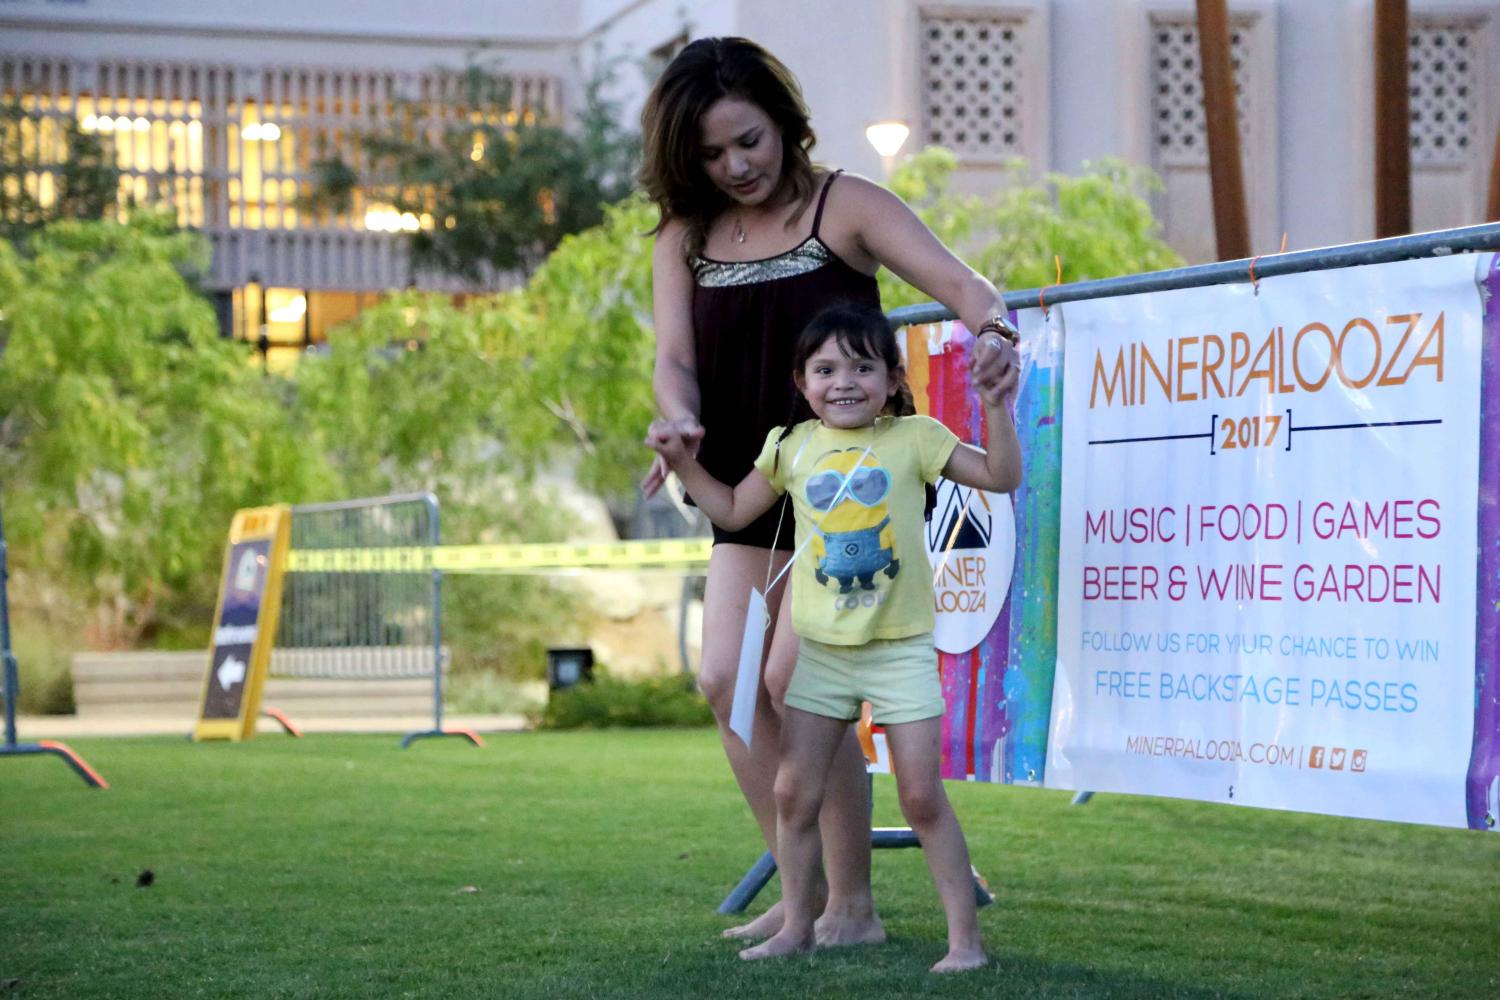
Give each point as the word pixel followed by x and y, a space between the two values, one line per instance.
pixel 1357 760
pixel 1315 757
pixel 1336 758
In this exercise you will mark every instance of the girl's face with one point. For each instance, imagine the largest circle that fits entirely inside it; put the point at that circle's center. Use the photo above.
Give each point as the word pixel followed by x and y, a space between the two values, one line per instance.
pixel 845 392
pixel 741 150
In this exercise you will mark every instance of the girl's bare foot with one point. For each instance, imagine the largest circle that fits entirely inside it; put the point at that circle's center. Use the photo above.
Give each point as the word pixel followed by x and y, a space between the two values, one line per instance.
pixel 961 960
pixel 837 930
pixel 766 925
pixel 781 945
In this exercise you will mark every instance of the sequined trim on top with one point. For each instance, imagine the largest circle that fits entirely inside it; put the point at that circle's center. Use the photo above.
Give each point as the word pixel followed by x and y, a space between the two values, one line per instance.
pixel 810 256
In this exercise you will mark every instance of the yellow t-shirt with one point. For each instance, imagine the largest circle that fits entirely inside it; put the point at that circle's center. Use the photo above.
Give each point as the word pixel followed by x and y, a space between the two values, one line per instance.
pixel 865 574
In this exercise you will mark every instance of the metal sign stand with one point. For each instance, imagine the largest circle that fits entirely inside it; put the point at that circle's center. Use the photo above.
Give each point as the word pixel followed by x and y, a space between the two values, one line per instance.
pixel 881 838
pixel 13 689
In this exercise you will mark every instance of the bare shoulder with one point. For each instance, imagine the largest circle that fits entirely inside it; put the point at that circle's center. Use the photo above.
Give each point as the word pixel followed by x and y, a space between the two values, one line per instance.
pixel 670 239
pixel 856 206
pixel 669 255
pixel 857 194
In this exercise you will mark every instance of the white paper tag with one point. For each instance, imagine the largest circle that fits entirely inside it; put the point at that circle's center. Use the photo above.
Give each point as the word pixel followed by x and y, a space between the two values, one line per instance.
pixel 747 680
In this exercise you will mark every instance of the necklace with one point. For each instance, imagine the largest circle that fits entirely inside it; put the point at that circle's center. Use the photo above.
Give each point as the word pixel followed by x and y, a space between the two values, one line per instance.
pixel 739 230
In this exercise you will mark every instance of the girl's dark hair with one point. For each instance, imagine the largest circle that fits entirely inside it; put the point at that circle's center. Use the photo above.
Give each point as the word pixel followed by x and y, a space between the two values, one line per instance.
pixel 706 70
pixel 861 332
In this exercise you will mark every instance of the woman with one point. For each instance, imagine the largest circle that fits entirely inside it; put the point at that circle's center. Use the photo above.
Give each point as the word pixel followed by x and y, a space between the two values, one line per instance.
pixel 752 242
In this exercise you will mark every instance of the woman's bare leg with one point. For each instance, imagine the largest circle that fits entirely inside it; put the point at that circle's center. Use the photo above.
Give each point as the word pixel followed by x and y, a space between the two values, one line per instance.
pixel 732 571
pixel 808 745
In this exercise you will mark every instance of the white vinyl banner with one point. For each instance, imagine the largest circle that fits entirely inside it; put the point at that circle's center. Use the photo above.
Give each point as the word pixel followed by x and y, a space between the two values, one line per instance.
pixel 1267 552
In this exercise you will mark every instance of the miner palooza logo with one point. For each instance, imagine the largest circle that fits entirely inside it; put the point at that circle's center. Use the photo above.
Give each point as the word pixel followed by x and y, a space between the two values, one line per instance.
pixel 971 542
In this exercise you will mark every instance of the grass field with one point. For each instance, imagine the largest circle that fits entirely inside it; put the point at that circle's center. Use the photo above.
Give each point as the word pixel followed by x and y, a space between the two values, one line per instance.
pixel 336 867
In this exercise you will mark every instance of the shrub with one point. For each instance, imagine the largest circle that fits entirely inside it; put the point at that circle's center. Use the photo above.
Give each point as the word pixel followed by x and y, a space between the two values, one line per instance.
pixel 655 701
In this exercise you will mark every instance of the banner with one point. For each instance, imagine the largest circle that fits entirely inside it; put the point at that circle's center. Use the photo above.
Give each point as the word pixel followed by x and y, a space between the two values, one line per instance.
pixel 994 560
pixel 1267 544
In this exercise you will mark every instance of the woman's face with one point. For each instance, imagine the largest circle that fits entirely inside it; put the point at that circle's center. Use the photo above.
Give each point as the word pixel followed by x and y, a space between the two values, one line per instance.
pixel 741 150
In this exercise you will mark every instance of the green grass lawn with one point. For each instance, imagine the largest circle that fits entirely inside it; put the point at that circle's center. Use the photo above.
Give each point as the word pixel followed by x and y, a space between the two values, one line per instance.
pixel 335 866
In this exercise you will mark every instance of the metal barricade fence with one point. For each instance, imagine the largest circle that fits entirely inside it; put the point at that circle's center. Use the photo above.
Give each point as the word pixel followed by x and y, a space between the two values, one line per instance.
pixel 359 620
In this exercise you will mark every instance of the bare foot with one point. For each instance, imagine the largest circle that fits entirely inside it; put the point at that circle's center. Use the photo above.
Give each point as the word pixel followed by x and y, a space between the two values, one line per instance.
pixel 962 960
pixel 766 925
pixel 779 946
pixel 838 930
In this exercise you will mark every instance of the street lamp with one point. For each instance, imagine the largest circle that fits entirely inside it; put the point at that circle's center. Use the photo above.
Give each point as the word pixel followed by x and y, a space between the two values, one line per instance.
pixel 887 137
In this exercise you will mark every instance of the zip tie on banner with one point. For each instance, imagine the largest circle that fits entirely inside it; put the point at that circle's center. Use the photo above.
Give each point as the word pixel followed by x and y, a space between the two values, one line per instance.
pixel 1042 295
pixel 1254 281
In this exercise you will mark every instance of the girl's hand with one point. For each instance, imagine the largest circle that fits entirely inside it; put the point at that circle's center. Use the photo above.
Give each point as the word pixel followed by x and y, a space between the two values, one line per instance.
pixel 1001 389
pixel 993 354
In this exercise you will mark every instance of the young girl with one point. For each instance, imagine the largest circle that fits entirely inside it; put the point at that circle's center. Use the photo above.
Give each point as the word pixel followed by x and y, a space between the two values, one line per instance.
pixel 862 596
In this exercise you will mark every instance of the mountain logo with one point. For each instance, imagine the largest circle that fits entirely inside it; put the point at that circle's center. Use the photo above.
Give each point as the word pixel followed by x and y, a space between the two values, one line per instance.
pixel 971 544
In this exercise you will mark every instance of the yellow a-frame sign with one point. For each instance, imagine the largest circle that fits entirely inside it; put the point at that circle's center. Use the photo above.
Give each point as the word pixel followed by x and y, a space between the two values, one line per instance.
pixel 244 623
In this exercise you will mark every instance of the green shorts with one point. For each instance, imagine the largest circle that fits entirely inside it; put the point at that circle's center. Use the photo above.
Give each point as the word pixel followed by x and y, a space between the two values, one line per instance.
pixel 898 677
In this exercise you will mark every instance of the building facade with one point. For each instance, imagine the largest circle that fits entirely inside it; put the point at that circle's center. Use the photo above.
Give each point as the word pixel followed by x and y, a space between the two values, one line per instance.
pixel 222 109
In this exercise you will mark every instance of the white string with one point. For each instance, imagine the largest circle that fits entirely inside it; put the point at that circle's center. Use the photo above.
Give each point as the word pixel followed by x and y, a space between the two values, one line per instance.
pixel 781 519
pixel 844 485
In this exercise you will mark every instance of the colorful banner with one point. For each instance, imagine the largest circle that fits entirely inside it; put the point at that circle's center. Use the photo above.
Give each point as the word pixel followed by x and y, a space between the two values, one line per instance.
pixel 1271 508
pixel 994 560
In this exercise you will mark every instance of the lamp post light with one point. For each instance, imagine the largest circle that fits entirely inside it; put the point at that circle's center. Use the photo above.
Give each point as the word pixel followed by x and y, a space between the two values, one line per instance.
pixel 887 137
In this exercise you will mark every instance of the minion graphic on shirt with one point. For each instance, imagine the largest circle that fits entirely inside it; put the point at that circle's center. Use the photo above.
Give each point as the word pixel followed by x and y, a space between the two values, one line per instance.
pixel 853 540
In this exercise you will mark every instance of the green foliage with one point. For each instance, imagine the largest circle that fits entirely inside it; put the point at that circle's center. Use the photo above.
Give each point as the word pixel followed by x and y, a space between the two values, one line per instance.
pixel 403 396
pixel 591 348
pixel 1099 224
pixel 43 652
pixel 85 178
pixel 129 430
pixel 501 187
pixel 611 702
pixel 450 395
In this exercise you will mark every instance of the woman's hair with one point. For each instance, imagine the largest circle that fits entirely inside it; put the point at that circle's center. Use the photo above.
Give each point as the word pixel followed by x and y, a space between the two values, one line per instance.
pixel 861 332
pixel 671 124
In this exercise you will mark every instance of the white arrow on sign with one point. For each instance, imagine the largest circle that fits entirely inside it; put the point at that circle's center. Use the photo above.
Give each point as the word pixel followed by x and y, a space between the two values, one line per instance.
pixel 231 672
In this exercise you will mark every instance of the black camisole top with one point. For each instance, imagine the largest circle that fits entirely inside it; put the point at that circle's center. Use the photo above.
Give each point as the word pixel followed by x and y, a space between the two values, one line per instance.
pixel 746 316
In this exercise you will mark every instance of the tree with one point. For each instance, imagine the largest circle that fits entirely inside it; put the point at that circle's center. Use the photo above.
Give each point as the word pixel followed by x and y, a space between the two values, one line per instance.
pixel 1099 223
pixel 129 430
pixel 493 187
pixel 450 396
pixel 80 166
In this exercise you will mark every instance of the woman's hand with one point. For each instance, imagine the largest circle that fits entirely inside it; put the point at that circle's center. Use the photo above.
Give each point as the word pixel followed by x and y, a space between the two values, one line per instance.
pixel 656 477
pixel 672 440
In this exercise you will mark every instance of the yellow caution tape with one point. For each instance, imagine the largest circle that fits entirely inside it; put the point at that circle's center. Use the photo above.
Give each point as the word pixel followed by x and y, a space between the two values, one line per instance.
pixel 641 554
